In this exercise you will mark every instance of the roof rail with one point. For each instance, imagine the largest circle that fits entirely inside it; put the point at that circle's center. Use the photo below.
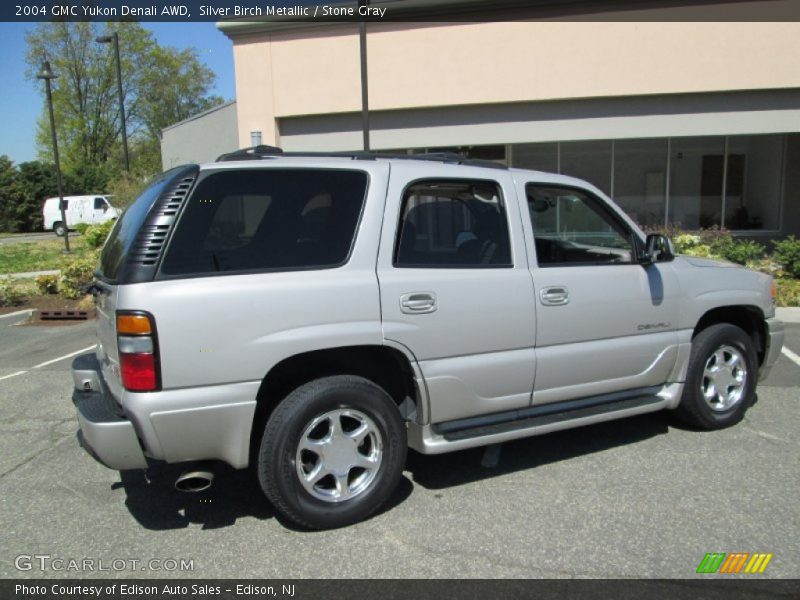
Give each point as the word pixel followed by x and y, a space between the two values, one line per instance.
pixel 250 153
pixel 261 152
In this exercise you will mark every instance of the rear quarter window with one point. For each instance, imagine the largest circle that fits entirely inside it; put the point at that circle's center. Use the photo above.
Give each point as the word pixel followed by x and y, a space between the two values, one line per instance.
pixel 267 219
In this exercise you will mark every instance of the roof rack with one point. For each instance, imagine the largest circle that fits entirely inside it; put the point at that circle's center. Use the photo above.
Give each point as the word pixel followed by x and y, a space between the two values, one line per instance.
pixel 263 152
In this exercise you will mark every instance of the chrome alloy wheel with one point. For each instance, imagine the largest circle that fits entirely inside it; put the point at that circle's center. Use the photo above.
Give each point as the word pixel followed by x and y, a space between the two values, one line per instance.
pixel 724 378
pixel 339 455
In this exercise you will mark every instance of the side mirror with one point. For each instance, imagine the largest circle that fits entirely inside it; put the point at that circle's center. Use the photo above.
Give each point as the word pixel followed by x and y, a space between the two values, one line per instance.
pixel 657 248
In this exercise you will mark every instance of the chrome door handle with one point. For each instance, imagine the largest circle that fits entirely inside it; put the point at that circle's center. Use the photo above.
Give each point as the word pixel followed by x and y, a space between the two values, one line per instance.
pixel 417 303
pixel 554 296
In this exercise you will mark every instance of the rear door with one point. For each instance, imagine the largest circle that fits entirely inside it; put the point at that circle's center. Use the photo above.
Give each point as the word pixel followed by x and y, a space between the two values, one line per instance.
pixel 605 323
pixel 455 287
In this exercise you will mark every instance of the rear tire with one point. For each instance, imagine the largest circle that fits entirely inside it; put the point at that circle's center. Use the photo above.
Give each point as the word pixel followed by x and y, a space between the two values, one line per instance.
pixel 59 229
pixel 721 379
pixel 332 452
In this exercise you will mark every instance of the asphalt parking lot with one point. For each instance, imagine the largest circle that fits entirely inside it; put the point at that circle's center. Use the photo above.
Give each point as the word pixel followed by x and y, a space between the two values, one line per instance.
pixel 643 497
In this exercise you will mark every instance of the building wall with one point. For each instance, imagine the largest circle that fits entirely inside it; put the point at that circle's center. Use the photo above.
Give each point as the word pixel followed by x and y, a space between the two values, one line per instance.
pixel 422 65
pixel 201 138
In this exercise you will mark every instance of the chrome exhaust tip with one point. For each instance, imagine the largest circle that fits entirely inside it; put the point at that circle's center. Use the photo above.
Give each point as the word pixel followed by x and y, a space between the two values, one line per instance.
pixel 194 481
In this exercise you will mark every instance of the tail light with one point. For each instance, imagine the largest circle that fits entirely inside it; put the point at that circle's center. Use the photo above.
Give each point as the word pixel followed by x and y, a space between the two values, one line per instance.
pixel 138 351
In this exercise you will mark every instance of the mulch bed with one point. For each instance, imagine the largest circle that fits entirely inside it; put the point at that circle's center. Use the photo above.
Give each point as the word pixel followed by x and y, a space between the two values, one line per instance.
pixel 53 305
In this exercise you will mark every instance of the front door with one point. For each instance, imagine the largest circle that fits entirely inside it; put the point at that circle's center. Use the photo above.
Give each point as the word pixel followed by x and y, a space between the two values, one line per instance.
pixel 604 322
pixel 455 288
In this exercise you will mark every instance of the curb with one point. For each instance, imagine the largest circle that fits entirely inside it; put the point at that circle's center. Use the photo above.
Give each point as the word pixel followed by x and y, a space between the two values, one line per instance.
pixel 29 274
pixel 788 314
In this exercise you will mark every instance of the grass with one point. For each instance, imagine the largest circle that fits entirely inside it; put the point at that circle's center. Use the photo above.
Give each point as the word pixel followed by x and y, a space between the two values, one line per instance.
pixel 44 255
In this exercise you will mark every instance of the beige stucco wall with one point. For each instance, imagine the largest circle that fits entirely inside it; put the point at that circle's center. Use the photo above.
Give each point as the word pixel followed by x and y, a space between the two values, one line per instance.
pixel 316 71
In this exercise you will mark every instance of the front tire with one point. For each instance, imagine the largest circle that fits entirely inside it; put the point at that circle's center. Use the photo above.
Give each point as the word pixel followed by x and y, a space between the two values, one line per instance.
pixel 332 452
pixel 721 379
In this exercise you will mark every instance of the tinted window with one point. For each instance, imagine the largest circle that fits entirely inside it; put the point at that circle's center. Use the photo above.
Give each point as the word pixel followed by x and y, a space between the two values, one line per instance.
pixel 127 226
pixel 571 227
pixel 267 219
pixel 99 203
pixel 453 224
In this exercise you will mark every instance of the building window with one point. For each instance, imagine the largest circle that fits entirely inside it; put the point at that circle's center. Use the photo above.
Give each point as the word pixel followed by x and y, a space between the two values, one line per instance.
pixel 640 179
pixel 753 185
pixel 588 160
pixel 696 175
pixel 538 157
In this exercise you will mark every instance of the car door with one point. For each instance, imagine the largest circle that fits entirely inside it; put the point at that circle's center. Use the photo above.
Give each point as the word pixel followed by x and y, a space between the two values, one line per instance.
pixel 605 323
pixel 455 287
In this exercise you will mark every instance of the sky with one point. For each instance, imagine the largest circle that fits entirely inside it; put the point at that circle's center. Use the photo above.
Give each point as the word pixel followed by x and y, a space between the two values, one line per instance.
pixel 22 101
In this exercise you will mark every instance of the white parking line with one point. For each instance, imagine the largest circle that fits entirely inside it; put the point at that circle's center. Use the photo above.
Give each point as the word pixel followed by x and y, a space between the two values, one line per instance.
pixel 12 375
pixel 49 362
pixel 70 355
pixel 791 356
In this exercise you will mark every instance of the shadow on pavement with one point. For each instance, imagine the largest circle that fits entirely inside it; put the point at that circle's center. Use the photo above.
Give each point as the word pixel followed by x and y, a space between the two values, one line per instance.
pixel 458 468
pixel 157 505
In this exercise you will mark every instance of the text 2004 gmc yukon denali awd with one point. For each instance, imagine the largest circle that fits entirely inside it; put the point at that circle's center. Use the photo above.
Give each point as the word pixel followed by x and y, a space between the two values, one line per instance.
pixel 314 316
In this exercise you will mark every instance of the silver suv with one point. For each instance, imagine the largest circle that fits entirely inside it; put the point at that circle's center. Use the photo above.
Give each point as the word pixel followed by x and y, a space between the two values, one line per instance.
pixel 314 316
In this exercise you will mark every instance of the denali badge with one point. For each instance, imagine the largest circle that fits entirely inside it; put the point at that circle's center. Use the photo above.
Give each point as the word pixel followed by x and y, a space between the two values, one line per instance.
pixel 646 326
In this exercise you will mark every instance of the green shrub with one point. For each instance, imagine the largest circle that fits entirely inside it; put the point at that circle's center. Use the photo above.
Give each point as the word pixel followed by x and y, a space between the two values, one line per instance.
pixel 77 274
pixel 47 284
pixel 734 250
pixel 96 235
pixel 9 294
pixel 788 292
pixel 81 228
pixel 787 255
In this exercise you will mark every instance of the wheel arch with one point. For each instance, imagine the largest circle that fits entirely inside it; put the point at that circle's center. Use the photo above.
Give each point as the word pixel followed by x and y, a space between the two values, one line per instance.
pixel 389 367
pixel 747 317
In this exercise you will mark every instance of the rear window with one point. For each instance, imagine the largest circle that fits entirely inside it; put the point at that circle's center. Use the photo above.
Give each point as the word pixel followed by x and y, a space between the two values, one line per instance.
pixel 127 226
pixel 270 219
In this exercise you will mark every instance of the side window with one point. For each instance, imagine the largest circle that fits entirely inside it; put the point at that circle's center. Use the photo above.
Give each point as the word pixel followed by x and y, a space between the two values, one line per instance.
pixel 64 204
pixel 571 227
pixel 263 219
pixel 452 223
pixel 99 203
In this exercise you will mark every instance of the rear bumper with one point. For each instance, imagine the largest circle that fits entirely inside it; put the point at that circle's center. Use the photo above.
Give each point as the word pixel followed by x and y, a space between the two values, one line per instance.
pixel 105 433
pixel 180 425
pixel 774 344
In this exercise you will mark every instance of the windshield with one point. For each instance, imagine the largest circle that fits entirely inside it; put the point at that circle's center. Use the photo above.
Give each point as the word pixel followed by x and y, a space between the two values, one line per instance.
pixel 127 226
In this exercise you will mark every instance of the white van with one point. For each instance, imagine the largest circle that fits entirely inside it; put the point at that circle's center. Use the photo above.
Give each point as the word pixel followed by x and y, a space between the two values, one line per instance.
pixel 78 209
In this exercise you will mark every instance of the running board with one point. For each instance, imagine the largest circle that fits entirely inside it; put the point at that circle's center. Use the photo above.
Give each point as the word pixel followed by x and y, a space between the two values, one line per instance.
pixel 554 416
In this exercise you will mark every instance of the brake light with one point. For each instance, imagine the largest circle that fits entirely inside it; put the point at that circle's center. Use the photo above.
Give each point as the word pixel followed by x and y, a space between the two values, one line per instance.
pixel 138 352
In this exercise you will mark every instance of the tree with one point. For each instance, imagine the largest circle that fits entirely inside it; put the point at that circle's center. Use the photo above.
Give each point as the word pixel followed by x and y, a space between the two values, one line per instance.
pixel 160 86
pixel 17 212
pixel 174 88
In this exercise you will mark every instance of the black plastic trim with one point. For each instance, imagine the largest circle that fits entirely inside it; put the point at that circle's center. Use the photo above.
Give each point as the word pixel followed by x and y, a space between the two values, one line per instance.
pixel 267 152
pixel 148 247
pixel 545 414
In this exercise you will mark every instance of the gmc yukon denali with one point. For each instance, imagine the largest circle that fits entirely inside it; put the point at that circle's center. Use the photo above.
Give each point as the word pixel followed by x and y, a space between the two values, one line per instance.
pixel 313 316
